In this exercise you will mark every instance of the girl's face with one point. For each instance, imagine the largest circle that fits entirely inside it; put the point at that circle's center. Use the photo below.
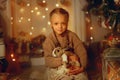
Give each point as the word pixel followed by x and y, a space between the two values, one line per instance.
pixel 59 23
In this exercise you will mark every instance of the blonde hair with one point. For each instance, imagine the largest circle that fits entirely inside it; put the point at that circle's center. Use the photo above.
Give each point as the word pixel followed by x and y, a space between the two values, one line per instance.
pixel 60 11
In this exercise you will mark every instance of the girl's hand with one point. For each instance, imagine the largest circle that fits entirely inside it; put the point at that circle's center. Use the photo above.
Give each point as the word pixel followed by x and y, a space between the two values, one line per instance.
pixel 75 70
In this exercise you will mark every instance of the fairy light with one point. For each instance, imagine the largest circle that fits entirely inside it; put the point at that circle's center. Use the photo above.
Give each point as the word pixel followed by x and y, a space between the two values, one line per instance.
pixel 21 18
pixel 49 23
pixel 29 19
pixel 19 21
pixel 11 18
pixel 13 59
pixel 38 13
pixel 30 33
pixel 46 9
pixel 32 11
pixel 91 28
pixel 44 1
pixel 28 4
pixel 91 38
pixel 43 16
pixel 22 10
pixel 36 8
pixel 57 5
pixel 32 28
pixel 11 22
pixel 12 55
pixel 110 27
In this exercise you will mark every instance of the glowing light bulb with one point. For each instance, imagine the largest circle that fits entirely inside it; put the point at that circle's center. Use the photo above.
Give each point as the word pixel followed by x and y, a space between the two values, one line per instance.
pixel 29 19
pixel 36 8
pixel 44 1
pixel 22 10
pixel 91 38
pixel 13 59
pixel 11 18
pixel 30 33
pixel 21 18
pixel 38 13
pixel 19 21
pixel 46 9
pixel 32 28
pixel 12 55
pixel 32 11
pixel 57 5
pixel 43 16
pixel 49 23
pixel 28 4
pixel 91 28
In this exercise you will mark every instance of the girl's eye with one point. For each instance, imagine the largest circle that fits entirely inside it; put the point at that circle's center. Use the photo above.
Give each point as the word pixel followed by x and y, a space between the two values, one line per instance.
pixel 56 23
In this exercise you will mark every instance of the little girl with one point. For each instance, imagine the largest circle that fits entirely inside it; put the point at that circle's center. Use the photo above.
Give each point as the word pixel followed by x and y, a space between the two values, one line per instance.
pixel 64 38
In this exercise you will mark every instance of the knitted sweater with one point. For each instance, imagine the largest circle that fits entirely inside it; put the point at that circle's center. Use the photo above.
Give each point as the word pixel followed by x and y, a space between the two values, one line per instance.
pixel 74 42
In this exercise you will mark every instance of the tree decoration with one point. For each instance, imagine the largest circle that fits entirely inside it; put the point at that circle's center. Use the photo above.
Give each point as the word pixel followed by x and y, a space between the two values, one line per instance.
pixel 110 9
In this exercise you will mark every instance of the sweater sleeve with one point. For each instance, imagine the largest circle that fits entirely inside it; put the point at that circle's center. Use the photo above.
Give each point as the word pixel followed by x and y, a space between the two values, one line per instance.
pixel 80 50
pixel 50 61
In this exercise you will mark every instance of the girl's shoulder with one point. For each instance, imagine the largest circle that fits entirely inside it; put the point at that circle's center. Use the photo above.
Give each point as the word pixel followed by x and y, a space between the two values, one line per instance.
pixel 71 33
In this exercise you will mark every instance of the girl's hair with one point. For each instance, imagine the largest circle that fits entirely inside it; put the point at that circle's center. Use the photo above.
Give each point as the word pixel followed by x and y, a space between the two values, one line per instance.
pixel 59 11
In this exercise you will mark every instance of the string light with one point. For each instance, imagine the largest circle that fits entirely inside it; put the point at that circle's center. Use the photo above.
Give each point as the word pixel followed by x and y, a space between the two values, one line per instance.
pixel 38 13
pixel 11 18
pixel 32 28
pixel 91 28
pixel 22 10
pixel 91 38
pixel 19 21
pixel 49 23
pixel 57 5
pixel 32 11
pixel 44 1
pixel 43 16
pixel 36 8
pixel 13 59
pixel 28 4
pixel 46 9
pixel 30 33
pixel 29 19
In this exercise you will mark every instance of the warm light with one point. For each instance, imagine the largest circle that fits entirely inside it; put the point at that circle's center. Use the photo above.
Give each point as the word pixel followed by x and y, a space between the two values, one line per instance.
pixel 13 59
pixel 11 22
pixel 38 13
pixel 46 9
pixel 28 4
pixel 12 55
pixel 57 5
pixel 21 18
pixel 86 12
pixel 91 28
pixel 30 33
pixel 32 28
pixel 44 1
pixel 29 19
pixel 88 20
pixel 22 10
pixel 32 11
pixel 49 23
pixel 110 27
pixel 91 38
pixel 36 8
pixel 11 18
pixel 43 29
pixel 43 16
pixel 19 21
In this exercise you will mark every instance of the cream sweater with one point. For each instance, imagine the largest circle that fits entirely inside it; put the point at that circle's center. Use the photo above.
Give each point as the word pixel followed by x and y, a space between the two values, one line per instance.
pixel 74 42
